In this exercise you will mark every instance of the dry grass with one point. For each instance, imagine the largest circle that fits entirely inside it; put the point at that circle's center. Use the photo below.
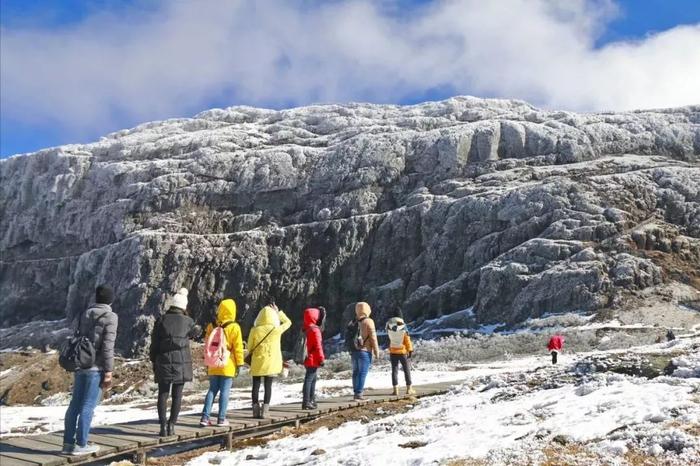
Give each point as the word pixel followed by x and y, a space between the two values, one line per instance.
pixel 572 454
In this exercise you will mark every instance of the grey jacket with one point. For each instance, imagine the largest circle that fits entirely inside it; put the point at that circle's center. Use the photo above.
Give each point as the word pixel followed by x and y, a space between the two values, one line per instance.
pixel 99 323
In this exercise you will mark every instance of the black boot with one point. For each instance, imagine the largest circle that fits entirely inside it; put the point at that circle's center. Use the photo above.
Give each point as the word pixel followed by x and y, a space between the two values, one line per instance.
pixel 163 430
pixel 171 429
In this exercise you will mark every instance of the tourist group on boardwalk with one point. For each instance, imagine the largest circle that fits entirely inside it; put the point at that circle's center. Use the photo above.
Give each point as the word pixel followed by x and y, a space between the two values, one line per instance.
pixel 90 355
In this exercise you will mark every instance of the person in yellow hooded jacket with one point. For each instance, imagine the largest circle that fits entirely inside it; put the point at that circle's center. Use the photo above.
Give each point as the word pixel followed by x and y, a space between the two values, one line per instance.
pixel 221 378
pixel 264 344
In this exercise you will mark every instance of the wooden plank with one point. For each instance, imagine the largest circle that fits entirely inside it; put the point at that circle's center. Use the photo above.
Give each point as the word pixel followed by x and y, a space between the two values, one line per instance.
pixel 56 438
pixel 57 442
pixel 247 415
pixel 235 423
pixel 25 449
pixel 139 439
pixel 154 429
pixel 296 409
pixel 338 403
pixel 10 461
pixel 208 431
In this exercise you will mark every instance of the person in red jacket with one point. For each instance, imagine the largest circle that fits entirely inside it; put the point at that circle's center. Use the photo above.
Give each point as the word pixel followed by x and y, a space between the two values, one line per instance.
pixel 556 343
pixel 313 324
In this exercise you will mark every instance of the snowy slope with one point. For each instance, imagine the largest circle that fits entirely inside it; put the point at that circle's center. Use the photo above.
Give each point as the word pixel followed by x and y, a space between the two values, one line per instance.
pixel 507 414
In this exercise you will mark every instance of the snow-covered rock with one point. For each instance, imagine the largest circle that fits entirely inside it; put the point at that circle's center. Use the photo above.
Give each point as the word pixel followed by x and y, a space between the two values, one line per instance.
pixel 432 208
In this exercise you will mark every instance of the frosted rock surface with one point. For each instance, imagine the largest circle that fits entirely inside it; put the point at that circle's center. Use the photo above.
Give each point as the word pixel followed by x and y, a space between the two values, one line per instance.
pixel 433 208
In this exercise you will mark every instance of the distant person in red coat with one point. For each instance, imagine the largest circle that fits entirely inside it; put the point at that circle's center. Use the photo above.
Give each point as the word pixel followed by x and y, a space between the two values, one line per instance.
pixel 556 343
pixel 313 324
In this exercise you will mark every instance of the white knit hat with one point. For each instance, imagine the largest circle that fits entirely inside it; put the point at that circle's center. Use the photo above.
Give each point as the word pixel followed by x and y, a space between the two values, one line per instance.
pixel 179 300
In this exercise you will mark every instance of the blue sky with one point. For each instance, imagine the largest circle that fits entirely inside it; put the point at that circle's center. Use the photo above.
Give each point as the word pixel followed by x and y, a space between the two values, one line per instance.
pixel 75 70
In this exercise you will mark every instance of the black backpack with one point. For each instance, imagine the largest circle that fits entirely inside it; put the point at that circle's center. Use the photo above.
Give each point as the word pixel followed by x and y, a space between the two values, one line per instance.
pixel 300 351
pixel 353 338
pixel 77 352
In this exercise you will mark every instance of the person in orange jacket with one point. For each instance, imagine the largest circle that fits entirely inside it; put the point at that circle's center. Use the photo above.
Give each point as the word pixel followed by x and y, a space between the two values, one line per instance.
pixel 400 351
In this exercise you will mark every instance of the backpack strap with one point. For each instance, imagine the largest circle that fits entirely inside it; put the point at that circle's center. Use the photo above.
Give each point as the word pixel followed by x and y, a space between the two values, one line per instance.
pixel 256 346
pixel 226 324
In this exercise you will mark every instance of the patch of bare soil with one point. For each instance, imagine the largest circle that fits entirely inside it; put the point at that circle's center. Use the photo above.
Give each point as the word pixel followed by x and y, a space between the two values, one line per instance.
pixel 29 377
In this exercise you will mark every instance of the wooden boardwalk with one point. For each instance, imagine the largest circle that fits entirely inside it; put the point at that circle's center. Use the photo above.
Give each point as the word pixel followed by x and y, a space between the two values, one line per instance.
pixel 137 438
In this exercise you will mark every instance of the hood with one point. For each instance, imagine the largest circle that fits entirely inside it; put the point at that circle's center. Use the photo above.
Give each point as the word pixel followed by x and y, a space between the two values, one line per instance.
pixel 98 310
pixel 311 317
pixel 267 316
pixel 362 309
pixel 396 324
pixel 227 311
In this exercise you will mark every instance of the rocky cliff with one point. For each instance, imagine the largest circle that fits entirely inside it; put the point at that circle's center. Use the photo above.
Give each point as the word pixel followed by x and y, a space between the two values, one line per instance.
pixel 432 208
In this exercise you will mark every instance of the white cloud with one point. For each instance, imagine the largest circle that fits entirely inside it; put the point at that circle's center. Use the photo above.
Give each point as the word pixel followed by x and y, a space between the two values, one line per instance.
pixel 179 57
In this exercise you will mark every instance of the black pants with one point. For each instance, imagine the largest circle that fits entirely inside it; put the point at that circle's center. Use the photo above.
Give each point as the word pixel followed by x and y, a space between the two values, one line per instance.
pixel 309 390
pixel 163 390
pixel 554 357
pixel 256 389
pixel 395 360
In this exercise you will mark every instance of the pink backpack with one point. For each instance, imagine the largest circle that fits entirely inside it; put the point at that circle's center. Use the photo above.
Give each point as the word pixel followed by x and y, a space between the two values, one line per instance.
pixel 216 353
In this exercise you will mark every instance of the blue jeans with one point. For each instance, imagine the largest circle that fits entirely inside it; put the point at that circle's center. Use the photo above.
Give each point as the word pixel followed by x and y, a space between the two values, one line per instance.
pixel 86 395
pixel 309 388
pixel 217 384
pixel 361 360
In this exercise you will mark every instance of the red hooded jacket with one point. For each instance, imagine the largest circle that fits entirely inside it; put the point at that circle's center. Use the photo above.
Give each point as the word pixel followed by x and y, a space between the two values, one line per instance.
pixel 314 340
pixel 556 343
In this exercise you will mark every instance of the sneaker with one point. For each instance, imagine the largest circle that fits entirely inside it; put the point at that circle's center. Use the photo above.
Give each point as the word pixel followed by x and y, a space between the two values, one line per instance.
pixel 88 449
pixel 223 423
pixel 67 448
pixel 359 397
pixel 204 422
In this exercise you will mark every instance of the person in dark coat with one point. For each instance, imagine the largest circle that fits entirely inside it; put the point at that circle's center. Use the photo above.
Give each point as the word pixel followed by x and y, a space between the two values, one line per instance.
pixel 172 358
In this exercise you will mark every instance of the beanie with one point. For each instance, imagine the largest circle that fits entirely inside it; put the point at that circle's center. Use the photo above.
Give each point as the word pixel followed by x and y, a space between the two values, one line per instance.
pixel 179 300
pixel 104 295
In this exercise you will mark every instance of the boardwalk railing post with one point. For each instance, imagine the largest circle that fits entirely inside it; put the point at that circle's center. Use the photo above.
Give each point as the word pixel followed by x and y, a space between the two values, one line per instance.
pixel 229 441
pixel 140 457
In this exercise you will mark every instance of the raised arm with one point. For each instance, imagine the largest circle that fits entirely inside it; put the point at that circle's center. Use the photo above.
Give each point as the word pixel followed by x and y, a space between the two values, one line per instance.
pixel 285 323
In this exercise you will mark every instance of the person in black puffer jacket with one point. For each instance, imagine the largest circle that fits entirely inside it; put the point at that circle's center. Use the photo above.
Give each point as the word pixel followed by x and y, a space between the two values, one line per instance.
pixel 172 358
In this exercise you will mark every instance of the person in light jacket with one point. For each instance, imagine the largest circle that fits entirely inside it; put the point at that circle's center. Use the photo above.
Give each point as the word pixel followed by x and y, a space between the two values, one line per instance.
pixel 221 378
pixel 367 348
pixel 264 344
pixel 172 358
pixel 400 352
pixel 313 325
pixel 99 323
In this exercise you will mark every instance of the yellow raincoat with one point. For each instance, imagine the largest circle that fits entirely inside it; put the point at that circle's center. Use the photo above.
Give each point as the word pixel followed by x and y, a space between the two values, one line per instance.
pixel 267 357
pixel 234 338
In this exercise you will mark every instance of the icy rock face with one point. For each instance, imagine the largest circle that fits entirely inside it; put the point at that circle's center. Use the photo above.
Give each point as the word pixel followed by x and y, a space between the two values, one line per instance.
pixel 432 208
